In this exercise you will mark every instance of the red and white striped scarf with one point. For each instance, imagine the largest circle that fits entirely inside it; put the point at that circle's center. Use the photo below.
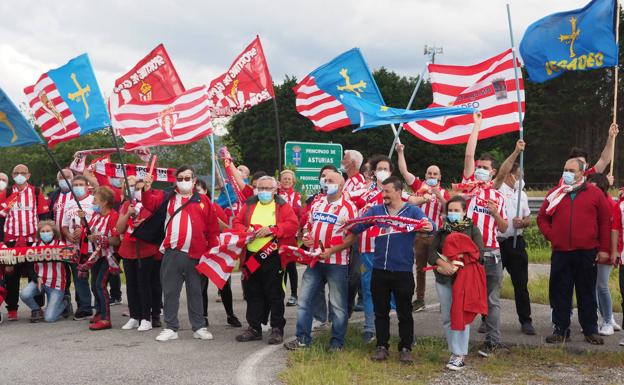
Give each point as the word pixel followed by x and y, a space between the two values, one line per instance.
pixel 397 223
pixel 218 262
pixel 555 197
pixel 472 188
pixel 290 254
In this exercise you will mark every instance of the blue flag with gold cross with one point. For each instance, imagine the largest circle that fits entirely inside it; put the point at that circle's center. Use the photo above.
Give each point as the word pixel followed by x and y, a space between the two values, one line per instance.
pixel 578 40
pixel 67 102
pixel 318 94
pixel 15 130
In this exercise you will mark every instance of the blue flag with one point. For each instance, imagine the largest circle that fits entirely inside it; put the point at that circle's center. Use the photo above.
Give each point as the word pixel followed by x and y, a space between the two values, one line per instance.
pixel 15 130
pixel 374 115
pixel 348 74
pixel 578 40
pixel 67 101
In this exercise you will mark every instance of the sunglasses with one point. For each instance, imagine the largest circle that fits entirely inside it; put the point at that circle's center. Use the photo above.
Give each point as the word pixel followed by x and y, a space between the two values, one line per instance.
pixel 184 178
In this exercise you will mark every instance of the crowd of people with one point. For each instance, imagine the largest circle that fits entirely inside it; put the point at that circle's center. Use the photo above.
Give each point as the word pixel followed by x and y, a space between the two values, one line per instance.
pixel 467 235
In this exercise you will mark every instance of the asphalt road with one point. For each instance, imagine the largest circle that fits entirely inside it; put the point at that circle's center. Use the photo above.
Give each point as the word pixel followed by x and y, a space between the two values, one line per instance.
pixel 67 352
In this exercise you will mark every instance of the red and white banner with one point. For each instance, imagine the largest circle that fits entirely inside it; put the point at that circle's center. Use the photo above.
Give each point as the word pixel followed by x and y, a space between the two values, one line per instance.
pixel 488 86
pixel 245 84
pixel 113 170
pixel 290 254
pixel 217 264
pixel 182 119
pixel 80 157
pixel 152 78
pixel 396 223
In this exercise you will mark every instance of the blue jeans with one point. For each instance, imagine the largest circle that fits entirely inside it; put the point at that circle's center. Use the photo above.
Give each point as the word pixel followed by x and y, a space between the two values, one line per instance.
pixel 99 283
pixel 457 340
pixel 336 277
pixel 55 305
pixel 367 299
pixel 82 289
pixel 323 311
pixel 603 295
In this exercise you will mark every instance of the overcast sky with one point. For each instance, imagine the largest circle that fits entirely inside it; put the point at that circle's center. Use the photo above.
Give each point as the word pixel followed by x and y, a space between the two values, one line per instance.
pixel 204 37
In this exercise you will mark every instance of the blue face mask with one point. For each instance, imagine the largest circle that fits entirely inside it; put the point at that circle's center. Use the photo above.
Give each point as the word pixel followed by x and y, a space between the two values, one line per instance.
pixel 96 208
pixel 432 182
pixel 115 182
pixel 568 177
pixel 454 217
pixel 265 196
pixel 80 191
pixel 47 236
pixel 482 175
pixel 332 189
pixel 63 185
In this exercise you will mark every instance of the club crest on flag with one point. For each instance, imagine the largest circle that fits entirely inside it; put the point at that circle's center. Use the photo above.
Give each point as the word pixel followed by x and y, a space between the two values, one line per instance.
pixel 356 88
pixel 15 130
pixel 167 119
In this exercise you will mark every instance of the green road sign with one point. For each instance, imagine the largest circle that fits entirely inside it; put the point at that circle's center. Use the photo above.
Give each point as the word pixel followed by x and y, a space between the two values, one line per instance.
pixel 307 181
pixel 307 155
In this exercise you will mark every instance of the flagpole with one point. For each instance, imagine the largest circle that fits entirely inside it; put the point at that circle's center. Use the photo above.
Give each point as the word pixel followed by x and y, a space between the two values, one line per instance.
pixel 616 80
pixel 517 81
pixel 121 162
pixel 409 105
pixel 212 172
pixel 278 135
pixel 218 170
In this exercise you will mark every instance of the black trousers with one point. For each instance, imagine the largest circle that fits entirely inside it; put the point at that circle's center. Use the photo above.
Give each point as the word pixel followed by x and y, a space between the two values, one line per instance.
pixel 384 283
pixel 621 279
pixel 157 295
pixel 139 287
pixel 12 283
pixel 114 282
pixel 516 261
pixel 225 293
pixel 570 270
pixel 293 275
pixel 262 290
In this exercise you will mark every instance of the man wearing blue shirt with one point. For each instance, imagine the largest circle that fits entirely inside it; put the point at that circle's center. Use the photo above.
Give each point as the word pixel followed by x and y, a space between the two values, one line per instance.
pixel 392 269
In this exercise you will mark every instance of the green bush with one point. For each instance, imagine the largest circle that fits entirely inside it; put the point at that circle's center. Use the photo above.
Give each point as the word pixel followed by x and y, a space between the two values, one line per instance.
pixel 534 238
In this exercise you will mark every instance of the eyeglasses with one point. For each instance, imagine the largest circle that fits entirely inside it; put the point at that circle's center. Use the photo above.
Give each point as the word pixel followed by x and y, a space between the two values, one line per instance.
pixel 184 178
pixel 265 188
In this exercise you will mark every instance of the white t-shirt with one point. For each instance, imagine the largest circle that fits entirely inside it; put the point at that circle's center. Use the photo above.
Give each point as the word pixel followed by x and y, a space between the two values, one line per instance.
pixel 511 206
pixel 71 220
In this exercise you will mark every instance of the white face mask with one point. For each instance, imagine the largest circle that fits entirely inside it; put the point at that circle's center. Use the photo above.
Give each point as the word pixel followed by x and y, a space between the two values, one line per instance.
pixel 184 186
pixel 382 175
pixel 519 184
pixel 19 179
pixel 3 185
pixel 482 175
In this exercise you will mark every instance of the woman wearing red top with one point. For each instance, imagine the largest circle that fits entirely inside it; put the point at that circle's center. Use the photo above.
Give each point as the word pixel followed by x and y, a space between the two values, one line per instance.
pixel 138 260
pixel 293 198
pixel 104 235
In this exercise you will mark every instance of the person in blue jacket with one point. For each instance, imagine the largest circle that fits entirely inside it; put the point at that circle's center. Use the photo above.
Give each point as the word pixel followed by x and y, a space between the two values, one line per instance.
pixel 392 269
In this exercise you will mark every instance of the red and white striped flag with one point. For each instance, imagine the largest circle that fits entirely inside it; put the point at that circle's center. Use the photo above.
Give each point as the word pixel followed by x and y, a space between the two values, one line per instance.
pixel 488 86
pixel 182 119
pixel 325 111
pixel 217 264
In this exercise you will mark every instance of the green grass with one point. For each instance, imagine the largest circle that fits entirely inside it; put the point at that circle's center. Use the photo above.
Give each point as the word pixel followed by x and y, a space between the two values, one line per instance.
pixel 524 364
pixel 538 290
pixel 539 255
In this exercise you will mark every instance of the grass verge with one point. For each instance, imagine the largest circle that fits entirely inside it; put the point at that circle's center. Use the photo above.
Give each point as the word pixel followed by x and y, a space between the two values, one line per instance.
pixel 524 364
pixel 538 290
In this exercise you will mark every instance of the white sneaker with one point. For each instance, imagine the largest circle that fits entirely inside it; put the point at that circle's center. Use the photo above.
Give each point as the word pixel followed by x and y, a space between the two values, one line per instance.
pixel 131 324
pixel 606 330
pixel 318 325
pixel 166 335
pixel 622 342
pixel 145 326
pixel 615 325
pixel 202 334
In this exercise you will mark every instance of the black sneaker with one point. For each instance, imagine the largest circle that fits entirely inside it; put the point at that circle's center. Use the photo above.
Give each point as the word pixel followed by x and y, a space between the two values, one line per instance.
pixel 156 322
pixel 276 337
pixel 36 316
pixel 594 339
pixel 557 339
pixel 115 302
pixel 250 334
pixel 292 301
pixel 455 363
pixel 488 349
pixel 233 321
pixel 82 315
pixel 528 329
pixel 295 345
pixel 380 354
pixel 418 305
pixel 482 328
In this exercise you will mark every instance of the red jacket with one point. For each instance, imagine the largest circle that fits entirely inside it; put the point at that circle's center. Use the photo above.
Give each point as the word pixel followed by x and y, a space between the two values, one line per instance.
pixel 469 287
pixel 582 223
pixel 286 224
pixel 203 220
